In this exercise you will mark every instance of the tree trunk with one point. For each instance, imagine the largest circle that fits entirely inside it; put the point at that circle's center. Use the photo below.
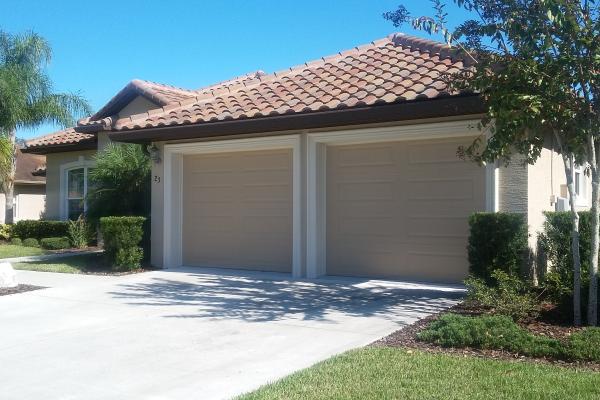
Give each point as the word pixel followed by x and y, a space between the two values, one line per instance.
pixel 592 315
pixel 9 185
pixel 569 164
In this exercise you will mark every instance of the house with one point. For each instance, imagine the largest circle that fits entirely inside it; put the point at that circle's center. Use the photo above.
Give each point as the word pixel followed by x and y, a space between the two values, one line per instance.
pixel 345 165
pixel 30 188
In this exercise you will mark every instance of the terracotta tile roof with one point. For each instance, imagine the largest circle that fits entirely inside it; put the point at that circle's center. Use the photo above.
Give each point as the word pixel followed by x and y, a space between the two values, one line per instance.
pixel 395 69
pixel 29 168
pixel 64 137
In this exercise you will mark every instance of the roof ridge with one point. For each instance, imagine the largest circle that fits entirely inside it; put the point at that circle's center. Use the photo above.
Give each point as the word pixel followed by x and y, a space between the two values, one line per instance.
pixel 164 85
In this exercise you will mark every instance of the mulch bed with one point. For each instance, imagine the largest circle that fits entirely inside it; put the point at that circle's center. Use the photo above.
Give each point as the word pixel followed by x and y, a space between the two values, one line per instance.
pixel 18 289
pixel 407 338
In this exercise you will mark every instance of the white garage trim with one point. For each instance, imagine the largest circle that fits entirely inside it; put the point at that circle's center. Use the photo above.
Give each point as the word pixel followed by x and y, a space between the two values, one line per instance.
pixel 316 174
pixel 173 186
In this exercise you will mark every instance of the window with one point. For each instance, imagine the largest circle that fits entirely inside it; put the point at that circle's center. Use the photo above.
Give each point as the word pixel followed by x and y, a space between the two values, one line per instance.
pixel 75 193
pixel 74 188
pixel 579 181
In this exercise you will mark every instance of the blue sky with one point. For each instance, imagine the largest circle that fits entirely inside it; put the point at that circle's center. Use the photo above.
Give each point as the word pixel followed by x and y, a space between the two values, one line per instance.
pixel 100 46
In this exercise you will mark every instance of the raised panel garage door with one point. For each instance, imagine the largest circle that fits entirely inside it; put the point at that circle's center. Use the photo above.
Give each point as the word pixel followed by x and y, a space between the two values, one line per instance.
pixel 400 209
pixel 237 210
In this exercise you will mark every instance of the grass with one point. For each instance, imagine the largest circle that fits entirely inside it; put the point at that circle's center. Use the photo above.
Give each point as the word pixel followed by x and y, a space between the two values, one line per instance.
pixel 69 265
pixel 10 250
pixel 392 373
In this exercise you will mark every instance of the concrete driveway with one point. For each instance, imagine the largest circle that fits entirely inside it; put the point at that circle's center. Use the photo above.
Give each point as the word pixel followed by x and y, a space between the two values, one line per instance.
pixel 190 333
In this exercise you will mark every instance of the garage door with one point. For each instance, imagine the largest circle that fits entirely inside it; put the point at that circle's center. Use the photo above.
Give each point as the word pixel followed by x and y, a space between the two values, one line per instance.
pixel 237 210
pixel 399 210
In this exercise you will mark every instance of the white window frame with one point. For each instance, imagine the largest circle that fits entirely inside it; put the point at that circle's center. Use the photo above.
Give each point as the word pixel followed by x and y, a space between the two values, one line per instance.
pixel 64 182
pixel 581 194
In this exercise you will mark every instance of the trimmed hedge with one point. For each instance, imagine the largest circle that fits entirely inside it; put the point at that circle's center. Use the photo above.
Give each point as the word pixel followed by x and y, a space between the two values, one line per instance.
pixel 122 238
pixel 501 333
pixel 16 241
pixel 55 243
pixel 31 242
pixel 40 229
pixel 497 241
pixel 555 242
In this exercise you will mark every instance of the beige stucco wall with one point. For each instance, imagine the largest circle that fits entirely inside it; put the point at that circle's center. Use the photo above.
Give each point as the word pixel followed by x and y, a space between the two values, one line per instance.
pixel 30 202
pixel 545 179
pixel 136 106
pixel 157 211
pixel 53 163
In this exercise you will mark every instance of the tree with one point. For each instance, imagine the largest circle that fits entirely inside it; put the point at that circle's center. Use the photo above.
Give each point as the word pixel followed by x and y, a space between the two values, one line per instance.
pixel 120 182
pixel 536 64
pixel 27 100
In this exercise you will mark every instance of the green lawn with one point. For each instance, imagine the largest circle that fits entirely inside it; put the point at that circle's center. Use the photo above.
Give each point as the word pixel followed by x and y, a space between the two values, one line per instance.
pixel 9 251
pixel 70 265
pixel 392 373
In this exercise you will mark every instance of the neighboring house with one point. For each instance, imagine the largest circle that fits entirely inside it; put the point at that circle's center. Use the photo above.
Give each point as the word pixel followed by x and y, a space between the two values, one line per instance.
pixel 30 188
pixel 345 165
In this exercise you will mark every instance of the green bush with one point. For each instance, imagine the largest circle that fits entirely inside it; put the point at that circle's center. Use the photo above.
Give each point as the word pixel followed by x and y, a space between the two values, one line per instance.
pixel 31 242
pixel 555 242
pixel 489 332
pixel 16 241
pixel 40 229
pixel 497 241
pixel 584 345
pixel 122 237
pixel 508 295
pixel 55 243
pixel 79 233
pixel 5 231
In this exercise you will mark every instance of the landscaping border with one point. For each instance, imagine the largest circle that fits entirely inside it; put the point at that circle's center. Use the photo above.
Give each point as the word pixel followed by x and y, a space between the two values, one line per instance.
pixel 406 337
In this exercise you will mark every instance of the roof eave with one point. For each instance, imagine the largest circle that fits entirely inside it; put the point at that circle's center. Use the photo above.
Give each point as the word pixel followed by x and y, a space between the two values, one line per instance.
pixel 411 110
pixel 62 148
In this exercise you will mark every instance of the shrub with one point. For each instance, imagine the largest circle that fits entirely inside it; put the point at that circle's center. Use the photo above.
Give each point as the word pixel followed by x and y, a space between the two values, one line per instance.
pixel 5 231
pixel 120 182
pixel 489 332
pixel 555 242
pixel 79 233
pixel 16 241
pixel 497 241
pixel 40 229
pixel 122 237
pixel 508 295
pixel 584 345
pixel 31 242
pixel 55 243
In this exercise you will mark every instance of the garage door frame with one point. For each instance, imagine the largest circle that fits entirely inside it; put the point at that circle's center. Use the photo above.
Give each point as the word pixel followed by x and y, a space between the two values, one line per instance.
pixel 173 189
pixel 316 245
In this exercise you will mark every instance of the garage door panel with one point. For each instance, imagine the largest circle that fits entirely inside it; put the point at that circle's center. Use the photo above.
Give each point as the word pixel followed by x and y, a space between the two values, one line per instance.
pixel 404 217
pixel 237 210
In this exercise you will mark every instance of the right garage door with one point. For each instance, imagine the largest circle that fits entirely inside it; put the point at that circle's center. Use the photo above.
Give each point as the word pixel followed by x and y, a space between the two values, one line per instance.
pixel 399 210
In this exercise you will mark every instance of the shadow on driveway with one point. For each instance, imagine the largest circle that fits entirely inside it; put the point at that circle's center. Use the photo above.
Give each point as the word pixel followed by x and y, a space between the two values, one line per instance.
pixel 255 298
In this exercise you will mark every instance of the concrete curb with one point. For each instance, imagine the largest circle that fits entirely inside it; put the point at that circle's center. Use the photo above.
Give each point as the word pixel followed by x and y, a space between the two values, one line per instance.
pixel 46 257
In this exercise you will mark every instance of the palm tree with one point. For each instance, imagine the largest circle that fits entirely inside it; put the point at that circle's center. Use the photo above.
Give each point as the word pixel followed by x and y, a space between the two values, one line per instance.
pixel 27 100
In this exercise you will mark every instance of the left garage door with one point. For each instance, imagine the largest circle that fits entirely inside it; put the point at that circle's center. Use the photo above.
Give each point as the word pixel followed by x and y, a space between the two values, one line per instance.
pixel 237 210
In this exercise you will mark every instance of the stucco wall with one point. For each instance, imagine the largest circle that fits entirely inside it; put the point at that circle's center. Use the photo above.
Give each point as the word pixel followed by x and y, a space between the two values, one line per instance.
pixel 53 163
pixel 137 106
pixel 30 201
pixel 157 211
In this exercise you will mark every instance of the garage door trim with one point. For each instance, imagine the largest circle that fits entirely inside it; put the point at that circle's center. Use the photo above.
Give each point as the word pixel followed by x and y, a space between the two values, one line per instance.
pixel 173 189
pixel 316 245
